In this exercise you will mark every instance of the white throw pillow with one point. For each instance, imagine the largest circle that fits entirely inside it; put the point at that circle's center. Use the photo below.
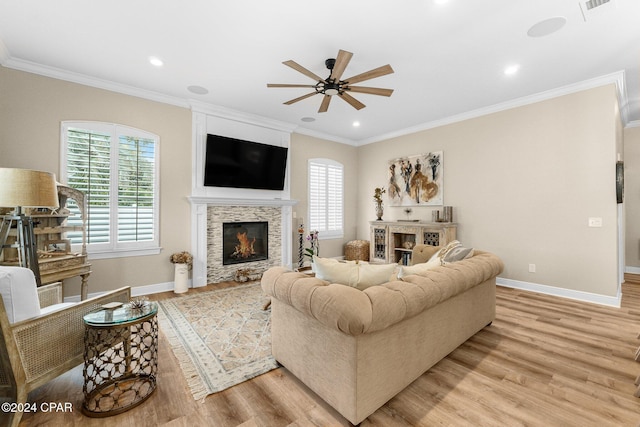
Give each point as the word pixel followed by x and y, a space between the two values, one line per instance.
pixel 19 293
pixel 333 271
pixel 374 274
pixel 406 270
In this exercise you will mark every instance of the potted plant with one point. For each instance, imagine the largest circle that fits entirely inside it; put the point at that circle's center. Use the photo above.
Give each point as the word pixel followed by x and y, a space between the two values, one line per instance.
pixel 183 261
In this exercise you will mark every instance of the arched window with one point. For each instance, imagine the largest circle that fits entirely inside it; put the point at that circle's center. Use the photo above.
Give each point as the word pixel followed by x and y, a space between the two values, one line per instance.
pixel 117 168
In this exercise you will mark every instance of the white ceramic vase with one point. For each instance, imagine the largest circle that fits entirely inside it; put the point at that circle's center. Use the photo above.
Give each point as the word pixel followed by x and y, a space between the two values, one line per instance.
pixel 181 278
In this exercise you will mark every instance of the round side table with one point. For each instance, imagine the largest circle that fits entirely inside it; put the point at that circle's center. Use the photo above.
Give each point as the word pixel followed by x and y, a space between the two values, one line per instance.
pixel 120 358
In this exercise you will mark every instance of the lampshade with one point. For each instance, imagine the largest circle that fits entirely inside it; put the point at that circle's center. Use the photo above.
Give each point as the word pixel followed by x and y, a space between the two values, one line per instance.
pixel 27 188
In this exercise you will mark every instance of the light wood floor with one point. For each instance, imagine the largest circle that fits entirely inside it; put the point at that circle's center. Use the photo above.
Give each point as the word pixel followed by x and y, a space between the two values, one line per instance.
pixel 545 361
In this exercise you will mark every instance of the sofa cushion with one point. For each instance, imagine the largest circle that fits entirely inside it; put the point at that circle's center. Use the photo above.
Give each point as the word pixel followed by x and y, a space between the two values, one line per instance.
pixel 334 271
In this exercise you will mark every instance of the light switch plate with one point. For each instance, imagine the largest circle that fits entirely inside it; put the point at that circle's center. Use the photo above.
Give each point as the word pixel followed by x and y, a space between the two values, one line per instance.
pixel 595 222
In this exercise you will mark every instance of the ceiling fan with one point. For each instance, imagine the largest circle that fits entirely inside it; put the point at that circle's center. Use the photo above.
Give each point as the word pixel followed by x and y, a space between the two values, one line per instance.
pixel 334 85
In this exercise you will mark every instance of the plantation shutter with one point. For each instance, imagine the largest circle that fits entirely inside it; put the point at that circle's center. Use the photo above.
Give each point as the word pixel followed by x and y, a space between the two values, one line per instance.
pixel 136 178
pixel 326 206
pixel 89 170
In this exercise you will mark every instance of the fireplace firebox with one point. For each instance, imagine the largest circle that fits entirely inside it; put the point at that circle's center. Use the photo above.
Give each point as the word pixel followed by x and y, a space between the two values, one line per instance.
pixel 245 242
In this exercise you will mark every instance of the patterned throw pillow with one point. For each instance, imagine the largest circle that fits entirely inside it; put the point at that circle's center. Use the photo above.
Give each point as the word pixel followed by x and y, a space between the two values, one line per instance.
pixel 452 252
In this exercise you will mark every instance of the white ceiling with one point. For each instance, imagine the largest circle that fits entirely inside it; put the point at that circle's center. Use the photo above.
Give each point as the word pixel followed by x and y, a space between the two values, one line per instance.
pixel 448 58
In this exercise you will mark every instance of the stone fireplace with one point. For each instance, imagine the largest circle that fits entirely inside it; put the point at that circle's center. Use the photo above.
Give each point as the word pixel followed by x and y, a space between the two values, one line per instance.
pixel 253 216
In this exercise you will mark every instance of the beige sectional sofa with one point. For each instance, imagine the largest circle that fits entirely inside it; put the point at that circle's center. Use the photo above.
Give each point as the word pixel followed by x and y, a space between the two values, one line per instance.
pixel 358 348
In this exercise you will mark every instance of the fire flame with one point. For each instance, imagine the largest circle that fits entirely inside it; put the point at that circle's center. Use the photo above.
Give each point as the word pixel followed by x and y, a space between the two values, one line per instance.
pixel 244 248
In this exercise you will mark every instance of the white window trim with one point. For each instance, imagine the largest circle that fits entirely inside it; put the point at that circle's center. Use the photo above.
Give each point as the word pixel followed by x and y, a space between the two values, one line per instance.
pixel 332 234
pixel 116 249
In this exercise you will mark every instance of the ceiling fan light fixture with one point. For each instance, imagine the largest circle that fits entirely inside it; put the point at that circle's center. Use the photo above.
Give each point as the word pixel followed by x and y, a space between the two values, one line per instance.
pixel 331 91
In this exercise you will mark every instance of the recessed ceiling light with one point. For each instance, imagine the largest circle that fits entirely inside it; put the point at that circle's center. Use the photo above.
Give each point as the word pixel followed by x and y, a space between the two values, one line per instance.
pixel 356 124
pixel 155 61
pixel 511 70
pixel 308 119
pixel 547 26
pixel 198 90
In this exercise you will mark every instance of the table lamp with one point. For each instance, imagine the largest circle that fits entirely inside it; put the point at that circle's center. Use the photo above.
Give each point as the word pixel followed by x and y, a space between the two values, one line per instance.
pixel 25 188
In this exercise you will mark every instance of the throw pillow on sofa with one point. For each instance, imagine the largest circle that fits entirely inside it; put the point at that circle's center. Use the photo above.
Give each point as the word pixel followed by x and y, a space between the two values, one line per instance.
pixel 406 270
pixel 357 274
pixel 452 252
pixel 334 271
pixel 374 274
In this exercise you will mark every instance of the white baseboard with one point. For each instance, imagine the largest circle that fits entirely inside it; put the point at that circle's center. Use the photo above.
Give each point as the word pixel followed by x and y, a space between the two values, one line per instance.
pixel 136 291
pixel 561 292
pixel 632 270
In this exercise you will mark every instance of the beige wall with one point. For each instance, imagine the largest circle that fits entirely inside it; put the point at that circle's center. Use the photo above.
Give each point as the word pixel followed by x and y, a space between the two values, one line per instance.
pixel 31 109
pixel 523 183
pixel 632 197
pixel 304 148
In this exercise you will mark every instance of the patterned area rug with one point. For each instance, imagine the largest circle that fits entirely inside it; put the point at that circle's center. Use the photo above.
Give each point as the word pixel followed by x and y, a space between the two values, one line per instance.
pixel 221 338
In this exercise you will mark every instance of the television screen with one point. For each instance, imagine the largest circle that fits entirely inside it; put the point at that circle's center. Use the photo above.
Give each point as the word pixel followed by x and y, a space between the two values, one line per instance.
pixel 236 163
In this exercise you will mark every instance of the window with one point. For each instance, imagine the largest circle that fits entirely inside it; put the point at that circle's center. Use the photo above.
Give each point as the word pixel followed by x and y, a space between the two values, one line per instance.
pixel 326 193
pixel 117 169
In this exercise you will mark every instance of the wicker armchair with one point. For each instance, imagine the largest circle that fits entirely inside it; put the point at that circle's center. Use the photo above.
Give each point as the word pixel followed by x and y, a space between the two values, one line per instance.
pixel 35 350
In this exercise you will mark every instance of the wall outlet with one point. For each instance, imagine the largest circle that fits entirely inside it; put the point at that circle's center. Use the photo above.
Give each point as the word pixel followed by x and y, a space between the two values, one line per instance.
pixel 595 222
pixel 532 268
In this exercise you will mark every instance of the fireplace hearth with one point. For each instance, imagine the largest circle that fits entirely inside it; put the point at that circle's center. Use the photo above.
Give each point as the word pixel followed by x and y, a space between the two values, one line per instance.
pixel 245 242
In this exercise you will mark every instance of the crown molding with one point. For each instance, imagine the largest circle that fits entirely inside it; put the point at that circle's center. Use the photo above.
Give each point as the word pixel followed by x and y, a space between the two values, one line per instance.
pixel 616 78
pixel 57 73
pixel 326 136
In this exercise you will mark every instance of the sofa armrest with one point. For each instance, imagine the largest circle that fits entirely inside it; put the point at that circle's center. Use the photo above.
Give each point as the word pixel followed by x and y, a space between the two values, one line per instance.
pixel 50 294
pixel 55 341
pixel 340 307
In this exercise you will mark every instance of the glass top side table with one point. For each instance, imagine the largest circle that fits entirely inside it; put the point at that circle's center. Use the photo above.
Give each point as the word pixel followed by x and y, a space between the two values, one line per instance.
pixel 120 358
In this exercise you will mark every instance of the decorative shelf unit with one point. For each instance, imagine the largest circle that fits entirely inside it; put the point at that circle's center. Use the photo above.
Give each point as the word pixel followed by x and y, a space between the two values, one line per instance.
pixel 55 259
pixel 394 241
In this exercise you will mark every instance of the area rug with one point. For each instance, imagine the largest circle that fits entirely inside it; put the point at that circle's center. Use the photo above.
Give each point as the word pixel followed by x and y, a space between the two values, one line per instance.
pixel 220 338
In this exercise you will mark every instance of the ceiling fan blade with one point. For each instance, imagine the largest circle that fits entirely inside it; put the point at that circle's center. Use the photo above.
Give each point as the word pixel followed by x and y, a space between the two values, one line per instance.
pixel 287 85
pixel 303 70
pixel 325 104
pixel 371 90
pixel 371 74
pixel 341 63
pixel 352 101
pixel 300 98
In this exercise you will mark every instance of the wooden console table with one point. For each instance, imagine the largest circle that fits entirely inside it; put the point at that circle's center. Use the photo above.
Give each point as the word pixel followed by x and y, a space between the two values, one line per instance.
pixel 393 241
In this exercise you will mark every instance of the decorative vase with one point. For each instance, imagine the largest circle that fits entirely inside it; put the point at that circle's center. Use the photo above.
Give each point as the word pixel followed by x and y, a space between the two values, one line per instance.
pixel 181 276
pixel 379 210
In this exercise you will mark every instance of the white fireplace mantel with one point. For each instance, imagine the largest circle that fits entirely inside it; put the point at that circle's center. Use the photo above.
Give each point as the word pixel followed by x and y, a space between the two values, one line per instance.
pixel 223 201
pixel 199 206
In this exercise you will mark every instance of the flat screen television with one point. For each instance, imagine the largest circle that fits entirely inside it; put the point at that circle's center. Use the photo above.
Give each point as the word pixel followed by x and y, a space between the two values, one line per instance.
pixel 231 162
